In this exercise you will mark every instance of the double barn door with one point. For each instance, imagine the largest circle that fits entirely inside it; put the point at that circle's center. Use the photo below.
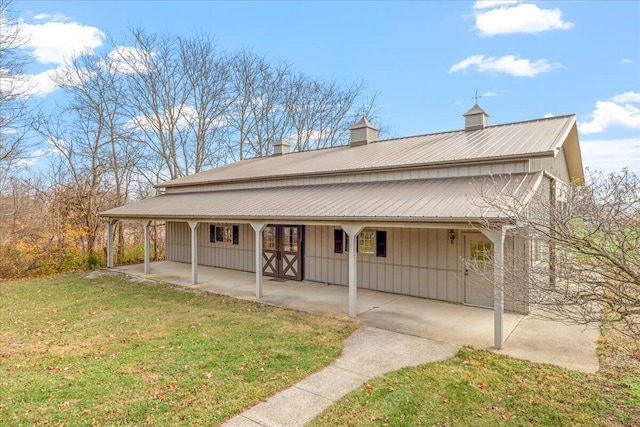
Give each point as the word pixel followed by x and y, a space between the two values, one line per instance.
pixel 282 251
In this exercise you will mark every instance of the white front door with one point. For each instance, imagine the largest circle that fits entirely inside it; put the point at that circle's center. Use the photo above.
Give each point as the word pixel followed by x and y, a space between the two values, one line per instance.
pixel 478 277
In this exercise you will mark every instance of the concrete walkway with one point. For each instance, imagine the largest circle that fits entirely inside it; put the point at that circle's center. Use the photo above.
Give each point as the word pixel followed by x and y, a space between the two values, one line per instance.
pixel 369 352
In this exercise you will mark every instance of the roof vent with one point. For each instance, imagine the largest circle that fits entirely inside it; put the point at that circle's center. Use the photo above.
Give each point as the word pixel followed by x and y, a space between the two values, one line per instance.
pixel 281 147
pixel 475 118
pixel 362 133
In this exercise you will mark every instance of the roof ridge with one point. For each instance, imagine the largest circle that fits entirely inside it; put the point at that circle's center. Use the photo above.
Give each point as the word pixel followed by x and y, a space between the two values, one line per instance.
pixel 463 130
pixel 419 135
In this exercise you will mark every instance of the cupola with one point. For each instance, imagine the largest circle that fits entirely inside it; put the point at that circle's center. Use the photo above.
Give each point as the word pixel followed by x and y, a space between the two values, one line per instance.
pixel 362 133
pixel 281 147
pixel 475 118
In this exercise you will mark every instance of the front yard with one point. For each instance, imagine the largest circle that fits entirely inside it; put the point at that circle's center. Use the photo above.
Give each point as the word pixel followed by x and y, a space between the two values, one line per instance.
pixel 106 350
pixel 110 351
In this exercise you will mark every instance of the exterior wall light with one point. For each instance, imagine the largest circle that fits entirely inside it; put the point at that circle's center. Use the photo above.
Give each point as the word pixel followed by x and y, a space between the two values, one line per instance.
pixel 452 236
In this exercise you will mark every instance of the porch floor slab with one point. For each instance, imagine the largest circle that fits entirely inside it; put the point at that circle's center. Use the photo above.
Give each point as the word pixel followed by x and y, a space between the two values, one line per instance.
pixel 526 337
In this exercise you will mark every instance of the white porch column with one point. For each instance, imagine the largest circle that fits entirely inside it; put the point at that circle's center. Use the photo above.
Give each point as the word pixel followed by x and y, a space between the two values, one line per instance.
pixel 145 226
pixel 110 228
pixel 353 230
pixel 258 227
pixel 497 238
pixel 194 251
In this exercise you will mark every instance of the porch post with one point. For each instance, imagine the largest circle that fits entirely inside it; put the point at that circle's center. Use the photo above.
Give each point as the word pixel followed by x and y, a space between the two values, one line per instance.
pixel 145 226
pixel 497 238
pixel 110 228
pixel 353 230
pixel 194 251
pixel 258 227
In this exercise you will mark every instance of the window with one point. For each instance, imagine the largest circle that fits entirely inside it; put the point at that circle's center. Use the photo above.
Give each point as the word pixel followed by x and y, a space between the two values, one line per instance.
pixel 290 239
pixel 537 250
pixel 480 251
pixel 367 242
pixel 269 238
pixel 224 234
pixel 338 241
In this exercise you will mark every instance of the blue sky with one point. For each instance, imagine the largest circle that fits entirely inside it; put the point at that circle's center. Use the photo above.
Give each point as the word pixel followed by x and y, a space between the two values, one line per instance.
pixel 424 59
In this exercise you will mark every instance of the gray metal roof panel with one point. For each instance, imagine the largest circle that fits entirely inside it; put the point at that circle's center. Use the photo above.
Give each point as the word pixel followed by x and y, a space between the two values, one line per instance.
pixel 513 140
pixel 419 200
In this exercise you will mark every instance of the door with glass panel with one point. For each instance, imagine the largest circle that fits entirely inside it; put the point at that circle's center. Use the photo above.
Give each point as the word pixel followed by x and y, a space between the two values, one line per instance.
pixel 478 280
pixel 282 251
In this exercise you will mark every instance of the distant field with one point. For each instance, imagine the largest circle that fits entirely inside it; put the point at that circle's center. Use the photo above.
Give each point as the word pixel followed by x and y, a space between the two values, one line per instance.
pixel 109 351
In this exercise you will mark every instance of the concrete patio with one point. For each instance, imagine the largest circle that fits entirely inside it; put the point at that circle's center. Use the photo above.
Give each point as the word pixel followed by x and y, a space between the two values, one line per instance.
pixel 526 337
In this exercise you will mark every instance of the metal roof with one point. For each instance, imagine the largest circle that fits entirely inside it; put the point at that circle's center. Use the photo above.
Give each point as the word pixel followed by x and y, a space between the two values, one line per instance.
pixel 425 200
pixel 521 140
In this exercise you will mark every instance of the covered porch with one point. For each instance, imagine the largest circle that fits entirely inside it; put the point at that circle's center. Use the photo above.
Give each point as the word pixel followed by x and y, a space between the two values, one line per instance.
pixel 525 337
pixel 357 209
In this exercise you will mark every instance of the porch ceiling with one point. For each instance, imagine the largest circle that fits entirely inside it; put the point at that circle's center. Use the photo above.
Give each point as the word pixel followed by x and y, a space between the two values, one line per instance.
pixel 429 200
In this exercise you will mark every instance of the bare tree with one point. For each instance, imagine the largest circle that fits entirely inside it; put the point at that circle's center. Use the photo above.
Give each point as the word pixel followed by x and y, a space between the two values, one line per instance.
pixel 256 118
pixel 584 255
pixel 105 150
pixel 14 91
pixel 95 156
pixel 177 96
pixel 323 111
pixel 274 102
pixel 209 83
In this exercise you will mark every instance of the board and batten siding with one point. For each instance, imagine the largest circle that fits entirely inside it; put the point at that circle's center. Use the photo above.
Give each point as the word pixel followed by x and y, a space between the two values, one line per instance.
pixel 556 166
pixel 218 254
pixel 419 262
pixel 395 175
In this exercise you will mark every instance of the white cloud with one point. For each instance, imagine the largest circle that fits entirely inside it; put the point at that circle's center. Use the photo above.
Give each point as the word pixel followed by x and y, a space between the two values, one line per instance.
pixel 42 84
pixel 618 111
pixel 127 60
pixel 626 61
pixel 611 155
pixel 548 115
pixel 52 42
pixel 488 94
pixel 507 64
pixel 630 96
pixel 32 159
pixel 25 85
pixel 182 116
pixel 490 4
pixel 59 17
pixel 523 18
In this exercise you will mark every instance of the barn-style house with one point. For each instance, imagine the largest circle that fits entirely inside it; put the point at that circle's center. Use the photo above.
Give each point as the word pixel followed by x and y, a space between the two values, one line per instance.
pixel 395 215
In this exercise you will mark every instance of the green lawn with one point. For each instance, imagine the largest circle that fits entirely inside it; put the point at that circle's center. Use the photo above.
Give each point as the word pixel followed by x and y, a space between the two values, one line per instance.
pixel 480 388
pixel 109 351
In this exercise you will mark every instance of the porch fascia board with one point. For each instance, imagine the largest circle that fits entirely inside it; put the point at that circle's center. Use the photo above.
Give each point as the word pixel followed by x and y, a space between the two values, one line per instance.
pixel 468 223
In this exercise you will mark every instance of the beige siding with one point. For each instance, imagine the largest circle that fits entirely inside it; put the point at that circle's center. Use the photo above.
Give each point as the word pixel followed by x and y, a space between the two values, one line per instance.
pixel 225 255
pixel 419 262
pixel 448 172
pixel 557 166
pixel 516 274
